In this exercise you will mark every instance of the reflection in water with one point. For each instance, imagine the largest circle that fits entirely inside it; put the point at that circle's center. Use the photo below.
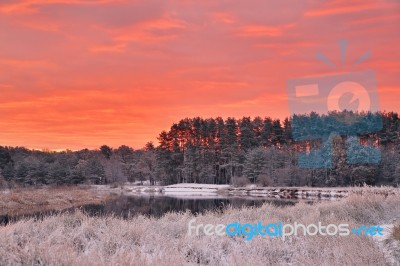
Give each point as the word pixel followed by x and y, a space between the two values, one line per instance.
pixel 156 206
pixel 125 206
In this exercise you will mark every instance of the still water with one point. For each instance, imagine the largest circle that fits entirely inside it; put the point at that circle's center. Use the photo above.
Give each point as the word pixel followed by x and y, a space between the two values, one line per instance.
pixel 157 205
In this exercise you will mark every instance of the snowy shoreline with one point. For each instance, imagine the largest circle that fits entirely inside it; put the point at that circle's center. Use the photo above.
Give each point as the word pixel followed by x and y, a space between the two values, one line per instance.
pixel 186 189
pixel 210 190
pixel 281 192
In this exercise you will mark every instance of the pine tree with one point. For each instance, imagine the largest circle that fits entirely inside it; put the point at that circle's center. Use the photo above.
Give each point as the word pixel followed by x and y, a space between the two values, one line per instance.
pixel 247 137
pixel 267 132
pixel 254 164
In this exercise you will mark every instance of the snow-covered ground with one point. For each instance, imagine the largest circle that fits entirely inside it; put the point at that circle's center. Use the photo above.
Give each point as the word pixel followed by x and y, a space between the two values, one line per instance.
pixel 193 189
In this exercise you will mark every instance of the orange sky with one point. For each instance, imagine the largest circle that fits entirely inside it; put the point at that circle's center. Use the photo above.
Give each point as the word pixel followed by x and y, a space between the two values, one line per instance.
pixel 82 73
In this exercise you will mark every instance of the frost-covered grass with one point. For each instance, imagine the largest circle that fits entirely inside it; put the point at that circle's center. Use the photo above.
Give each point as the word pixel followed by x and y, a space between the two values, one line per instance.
pixel 22 201
pixel 77 239
pixel 396 232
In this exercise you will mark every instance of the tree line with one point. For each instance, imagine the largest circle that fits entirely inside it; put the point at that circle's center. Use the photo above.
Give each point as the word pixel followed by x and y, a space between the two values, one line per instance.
pixel 225 151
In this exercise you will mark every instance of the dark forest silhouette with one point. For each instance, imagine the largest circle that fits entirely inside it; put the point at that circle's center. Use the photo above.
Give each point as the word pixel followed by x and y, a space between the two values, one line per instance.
pixel 215 151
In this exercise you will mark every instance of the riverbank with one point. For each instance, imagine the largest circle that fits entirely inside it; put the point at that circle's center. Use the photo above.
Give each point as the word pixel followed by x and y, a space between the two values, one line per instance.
pixel 77 239
pixel 25 201
pixel 190 189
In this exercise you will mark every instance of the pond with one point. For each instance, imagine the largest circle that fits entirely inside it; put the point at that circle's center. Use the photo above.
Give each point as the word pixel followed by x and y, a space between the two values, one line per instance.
pixel 157 205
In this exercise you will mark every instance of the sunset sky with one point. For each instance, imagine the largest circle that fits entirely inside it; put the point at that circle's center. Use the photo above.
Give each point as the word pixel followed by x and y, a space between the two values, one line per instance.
pixel 81 73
